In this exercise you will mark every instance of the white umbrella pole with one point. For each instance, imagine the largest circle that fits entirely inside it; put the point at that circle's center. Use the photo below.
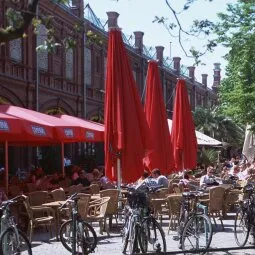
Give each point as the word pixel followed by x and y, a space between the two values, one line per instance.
pixel 6 168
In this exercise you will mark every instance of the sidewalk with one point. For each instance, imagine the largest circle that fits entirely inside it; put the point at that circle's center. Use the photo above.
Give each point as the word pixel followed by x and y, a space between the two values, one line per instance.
pixel 112 245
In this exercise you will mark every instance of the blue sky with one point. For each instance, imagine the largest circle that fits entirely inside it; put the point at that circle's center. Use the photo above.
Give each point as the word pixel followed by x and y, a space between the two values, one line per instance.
pixel 137 15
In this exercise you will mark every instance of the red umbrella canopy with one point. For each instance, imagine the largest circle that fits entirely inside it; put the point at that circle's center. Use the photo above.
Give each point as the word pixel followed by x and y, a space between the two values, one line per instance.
pixel 126 129
pixel 63 131
pixel 93 132
pixel 183 134
pixel 23 132
pixel 162 155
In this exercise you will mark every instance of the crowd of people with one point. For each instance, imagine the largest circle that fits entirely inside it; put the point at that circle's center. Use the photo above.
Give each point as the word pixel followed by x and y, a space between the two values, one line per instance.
pixel 74 175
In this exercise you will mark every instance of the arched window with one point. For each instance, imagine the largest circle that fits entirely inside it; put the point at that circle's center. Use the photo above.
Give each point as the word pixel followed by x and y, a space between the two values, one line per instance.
pixel 69 64
pixel 42 55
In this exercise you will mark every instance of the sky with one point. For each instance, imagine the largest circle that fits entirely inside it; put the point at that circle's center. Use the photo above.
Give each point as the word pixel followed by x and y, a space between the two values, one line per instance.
pixel 138 15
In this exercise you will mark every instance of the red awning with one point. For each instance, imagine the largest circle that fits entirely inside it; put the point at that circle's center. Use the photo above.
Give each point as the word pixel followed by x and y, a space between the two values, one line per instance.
pixel 93 132
pixel 162 155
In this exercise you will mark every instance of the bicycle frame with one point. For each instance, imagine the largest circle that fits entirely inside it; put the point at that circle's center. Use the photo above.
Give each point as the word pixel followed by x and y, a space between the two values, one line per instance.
pixel 7 221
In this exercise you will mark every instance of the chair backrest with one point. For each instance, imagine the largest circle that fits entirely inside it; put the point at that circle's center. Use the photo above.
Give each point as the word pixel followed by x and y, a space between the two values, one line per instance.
pixel 71 190
pixel 83 205
pixel 174 203
pixel 177 189
pixel 38 197
pixel 58 194
pixel 94 188
pixel 216 198
pixel 28 207
pixel 112 207
pixel 103 207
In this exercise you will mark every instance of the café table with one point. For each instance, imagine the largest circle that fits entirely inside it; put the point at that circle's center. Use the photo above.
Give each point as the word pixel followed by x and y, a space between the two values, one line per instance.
pixel 55 205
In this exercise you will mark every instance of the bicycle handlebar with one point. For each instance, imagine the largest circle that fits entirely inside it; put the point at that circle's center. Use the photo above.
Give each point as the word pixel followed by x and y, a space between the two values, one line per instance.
pixel 11 201
pixel 70 199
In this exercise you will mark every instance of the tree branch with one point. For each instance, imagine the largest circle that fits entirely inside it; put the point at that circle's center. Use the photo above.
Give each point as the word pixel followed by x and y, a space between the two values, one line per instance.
pixel 14 33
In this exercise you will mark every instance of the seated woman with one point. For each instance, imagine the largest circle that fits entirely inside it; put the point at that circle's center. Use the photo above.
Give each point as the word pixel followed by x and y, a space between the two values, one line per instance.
pixel 183 183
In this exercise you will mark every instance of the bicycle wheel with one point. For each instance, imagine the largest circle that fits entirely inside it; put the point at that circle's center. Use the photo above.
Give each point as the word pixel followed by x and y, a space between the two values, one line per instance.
pixel 152 236
pixel 86 238
pixel 11 244
pixel 241 228
pixel 197 234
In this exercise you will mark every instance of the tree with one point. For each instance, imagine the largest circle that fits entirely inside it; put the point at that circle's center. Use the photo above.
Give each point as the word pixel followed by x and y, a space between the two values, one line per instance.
pixel 219 126
pixel 21 17
pixel 23 13
pixel 236 30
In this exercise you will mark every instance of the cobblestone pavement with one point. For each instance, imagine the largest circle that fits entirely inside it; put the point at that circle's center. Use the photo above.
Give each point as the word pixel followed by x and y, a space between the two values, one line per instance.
pixel 112 245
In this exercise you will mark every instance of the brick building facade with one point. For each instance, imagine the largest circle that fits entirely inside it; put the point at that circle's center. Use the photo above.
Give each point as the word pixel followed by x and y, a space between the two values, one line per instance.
pixel 73 82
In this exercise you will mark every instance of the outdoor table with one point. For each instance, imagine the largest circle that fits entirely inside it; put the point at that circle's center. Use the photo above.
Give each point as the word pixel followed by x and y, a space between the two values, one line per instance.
pixel 55 206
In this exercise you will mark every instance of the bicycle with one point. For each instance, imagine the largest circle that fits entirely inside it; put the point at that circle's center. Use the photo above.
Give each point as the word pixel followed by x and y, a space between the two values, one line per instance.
pixel 12 239
pixel 244 219
pixel 195 228
pixel 141 229
pixel 76 235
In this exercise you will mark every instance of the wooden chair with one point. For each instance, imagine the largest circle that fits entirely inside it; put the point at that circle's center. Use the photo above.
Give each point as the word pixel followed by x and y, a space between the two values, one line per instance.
pixel 37 198
pixel 112 208
pixel 94 188
pixel 48 218
pixel 58 194
pixel 174 206
pixel 97 213
pixel 215 203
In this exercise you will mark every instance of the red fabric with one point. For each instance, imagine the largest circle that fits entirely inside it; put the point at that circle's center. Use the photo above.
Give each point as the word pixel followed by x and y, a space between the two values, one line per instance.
pixel 23 132
pixel 183 134
pixel 63 131
pixel 162 155
pixel 126 129
pixel 92 131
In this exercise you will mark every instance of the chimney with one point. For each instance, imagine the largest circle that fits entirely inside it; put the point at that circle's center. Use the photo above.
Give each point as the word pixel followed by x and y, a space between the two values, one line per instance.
pixel 112 19
pixel 139 41
pixel 78 8
pixel 204 79
pixel 159 54
pixel 191 72
pixel 216 76
pixel 177 65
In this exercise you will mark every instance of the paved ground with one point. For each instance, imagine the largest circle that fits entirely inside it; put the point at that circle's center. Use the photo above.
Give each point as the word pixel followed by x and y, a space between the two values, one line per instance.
pixel 112 245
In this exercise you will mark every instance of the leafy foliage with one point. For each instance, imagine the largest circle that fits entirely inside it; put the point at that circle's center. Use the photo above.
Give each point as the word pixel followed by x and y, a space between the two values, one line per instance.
pixel 207 157
pixel 219 126
pixel 237 32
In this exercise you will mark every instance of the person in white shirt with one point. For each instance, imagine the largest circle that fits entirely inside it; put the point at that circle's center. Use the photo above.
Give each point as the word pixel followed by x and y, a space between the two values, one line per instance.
pixel 161 179
pixel 208 178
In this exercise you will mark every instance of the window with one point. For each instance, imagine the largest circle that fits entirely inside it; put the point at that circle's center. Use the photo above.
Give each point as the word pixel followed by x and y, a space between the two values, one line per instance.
pixel 42 55
pixel 69 64
pixel 15 49
pixel 87 68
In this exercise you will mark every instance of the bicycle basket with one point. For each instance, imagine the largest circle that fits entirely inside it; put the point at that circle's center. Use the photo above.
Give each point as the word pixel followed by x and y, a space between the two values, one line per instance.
pixel 137 199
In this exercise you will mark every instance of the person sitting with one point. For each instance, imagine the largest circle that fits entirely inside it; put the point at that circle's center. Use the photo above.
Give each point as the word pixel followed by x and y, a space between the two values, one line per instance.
pixel 143 177
pixel 209 178
pixel 105 183
pixel 161 179
pixel 183 183
pixel 82 179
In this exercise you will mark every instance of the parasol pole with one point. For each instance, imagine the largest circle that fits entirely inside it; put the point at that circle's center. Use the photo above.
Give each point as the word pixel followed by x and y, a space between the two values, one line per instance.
pixel 118 174
pixel 62 158
pixel 6 167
